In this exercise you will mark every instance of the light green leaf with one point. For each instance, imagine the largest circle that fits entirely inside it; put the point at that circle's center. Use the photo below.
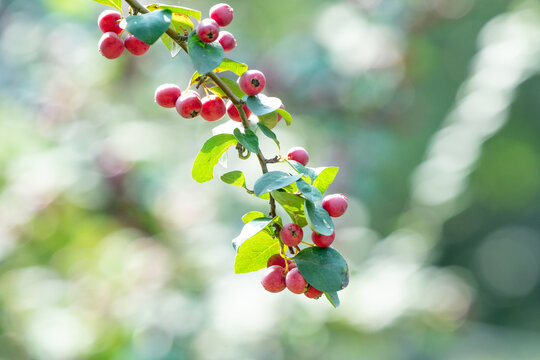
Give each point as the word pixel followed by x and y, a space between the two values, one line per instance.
pixel 325 178
pixel 273 180
pixel 235 178
pixel 323 268
pixel 204 56
pixel 212 150
pixel 117 4
pixel 293 206
pixel 217 90
pixel 252 228
pixel 269 120
pixel 176 9
pixel 150 26
pixel 261 104
pixel 285 114
pixel 233 85
pixel 233 66
pixel 251 216
pixel 248 140
pixel 254 253
pixel 318 219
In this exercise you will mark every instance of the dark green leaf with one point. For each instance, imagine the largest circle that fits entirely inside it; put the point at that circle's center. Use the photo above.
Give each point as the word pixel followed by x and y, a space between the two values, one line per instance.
pixel 235 178
pixel 318 218
pixel 150 26
pixel 269 120
pixel 325 178
pixel 273 180
pixel 310 192
pixel 323 268
pixel 269 133
pixel 176 9
pixel 293 206
pixel 233 66
pixel 261 104
pixel 248 140
pixel 285 114
pixel 333 297
pixel 250 229
pixel 251 216
pixel 117 4
pixel 309 172
pixel 211 152
pixel 204 56
pixel 254 253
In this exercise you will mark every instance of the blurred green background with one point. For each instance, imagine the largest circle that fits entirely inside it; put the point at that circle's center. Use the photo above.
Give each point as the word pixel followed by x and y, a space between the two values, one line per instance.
pixel 109 250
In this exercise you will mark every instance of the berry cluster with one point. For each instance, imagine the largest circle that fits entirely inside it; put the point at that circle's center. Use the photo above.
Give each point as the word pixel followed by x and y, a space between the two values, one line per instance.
pixel 111 45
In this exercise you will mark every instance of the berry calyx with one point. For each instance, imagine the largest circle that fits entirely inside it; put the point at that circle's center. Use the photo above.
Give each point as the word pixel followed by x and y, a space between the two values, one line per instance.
pixel 313 293
pixel 136 46
pixel 322 240
pixel 299 154
pixel 213 108
pixel 273 279
pixel 252 82
pixel 227 41
pixel 110 45
pixel 295 282
pixel 166 95
pixel 109 20
pixel 189 104
pixel 208 30
pixel 335 204
pixel 232 111
pixel 222 14
pixel 276 259
pixel 291 234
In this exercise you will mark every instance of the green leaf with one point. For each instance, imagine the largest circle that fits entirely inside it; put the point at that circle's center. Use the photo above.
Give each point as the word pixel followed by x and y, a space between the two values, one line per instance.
pixel 269 120
pixel 150 26
pixel 173 47
pixel 251 216
pixel 325 178
pixel 235 178
pixel 233 85
pixel 248 140
pixel 293 206
pixel 208 157
pixel 204 56
pixel 323 268
pixel 217 90
pixel 318 218
pixel 195 78
pixel 333 297
pixel 117 4
pixel 250 229
pixel 176 9
pixel 254 253
pixel 310 192
pixel 309 172
pixel 233 66
pixel 261 104
pixel 273 180
pixel 285 114
pixel 269 133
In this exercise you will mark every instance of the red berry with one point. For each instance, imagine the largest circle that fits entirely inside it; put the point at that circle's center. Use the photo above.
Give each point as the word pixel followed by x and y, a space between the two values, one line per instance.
pixel 213 108
pixel 109 20
pixel 227 41
pixel 291 264
pixel 279 117
pixel 291 234
pixel 110 45
pixel 167 94
pixel 222 14
pixel 322 240
pixel 136 46
pixel 298 154
pixel 276 259
pixel 273 279
pixel 189 104
pixel 232 111
pixel 208 30
pixel 252 82
pixel 295 282
pixel 313 293
pixel 335 204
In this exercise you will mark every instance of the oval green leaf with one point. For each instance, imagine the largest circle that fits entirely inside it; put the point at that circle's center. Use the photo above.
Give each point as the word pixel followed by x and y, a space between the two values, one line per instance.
pixel 251 216
pixel 250 229
pixel 248 139
pixel 309 172
pixel 325 178
pixel 310 192
pixel 293 206
pixel 323 268
pixel 261 104
pixel 269 120
pixel 177 10
pixel 208 157
pixel 150 26
pixel 117 4
pixel 254 253
pixel 204 56
pixel 332 297
pixel 235 178
pixel 273 180
pixel 318 218
pixel 285 114
pixel 233 66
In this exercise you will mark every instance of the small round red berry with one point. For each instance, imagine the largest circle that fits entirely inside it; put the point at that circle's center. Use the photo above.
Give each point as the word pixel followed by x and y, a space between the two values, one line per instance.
pixel 313 293
pixel 208 30
pixel 291 234
pixel 232 111
pixel 295 282
pixel 227 41
pixel 276 259
pixel 322 240
pixel 222 14
pixel 109 20
pixel 189 104
pixel 252 82
pixel 166 95
pixel 213 108
pixel 110 45
pixel 299 154
pixel 335 204
pixel 273 279
pixel 291 264
pixel 136 46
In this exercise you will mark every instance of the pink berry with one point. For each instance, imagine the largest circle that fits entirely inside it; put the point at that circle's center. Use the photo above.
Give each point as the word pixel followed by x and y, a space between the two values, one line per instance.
pixel 109 20
pixel 291 234
pixel 273 279
pixel 279 117
pixel 252 82
pixel 222 14
pixel 322 240
pixel 232 111
pixel 276 259
pixel 291 264
pixel 295 282
pixel 110 45
pixel 167 94
pixel 189 104
pixel 213 108
pixel 227 41
pixel 335 204
pixel 313 293
pixel 299 154
pixel 208 30
pixel 136 46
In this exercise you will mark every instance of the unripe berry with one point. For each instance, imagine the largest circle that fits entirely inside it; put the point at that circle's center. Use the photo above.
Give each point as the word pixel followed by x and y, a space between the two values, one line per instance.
pixel 135 46
pixel 189 104
pixel 322 240
pixel 109 20
pixel 213 108
pixel 252 82
pixel 276 259
pixel 232 111
pixel 110 45
pixel 335 204
pixel 313 293
pixel 291 234
pixel 222 14
pixel 208 30
pixel 227 41
pixel 273 279
pixel 167 94
pixel 295 282
pixel 299 154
